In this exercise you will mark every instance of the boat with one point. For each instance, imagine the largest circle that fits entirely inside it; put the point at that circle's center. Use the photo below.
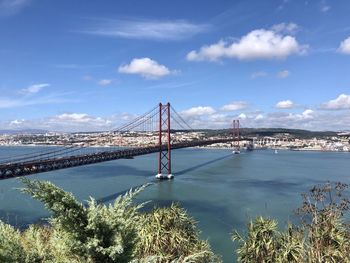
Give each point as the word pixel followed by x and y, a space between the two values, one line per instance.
pixel 276 151
pixel 236 152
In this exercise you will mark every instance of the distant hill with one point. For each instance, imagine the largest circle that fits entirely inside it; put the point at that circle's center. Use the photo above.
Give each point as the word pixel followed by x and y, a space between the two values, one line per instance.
pixel 295 133
pixel 292 132
pixel 24 131
pixel 251 132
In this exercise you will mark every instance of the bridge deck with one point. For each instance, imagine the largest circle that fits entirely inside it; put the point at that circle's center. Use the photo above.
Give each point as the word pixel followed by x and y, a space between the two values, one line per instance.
pixel 12 170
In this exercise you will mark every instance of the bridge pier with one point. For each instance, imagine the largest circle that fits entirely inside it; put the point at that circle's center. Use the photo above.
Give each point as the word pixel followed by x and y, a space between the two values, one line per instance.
pixel 164 157
pixel 164 176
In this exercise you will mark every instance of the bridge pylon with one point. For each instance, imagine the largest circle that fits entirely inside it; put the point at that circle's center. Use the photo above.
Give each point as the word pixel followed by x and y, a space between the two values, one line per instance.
pixel 164 141
pixel 236 137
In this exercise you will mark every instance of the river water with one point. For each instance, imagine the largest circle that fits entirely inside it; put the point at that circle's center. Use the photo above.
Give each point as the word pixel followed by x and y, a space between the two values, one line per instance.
pixel 220 190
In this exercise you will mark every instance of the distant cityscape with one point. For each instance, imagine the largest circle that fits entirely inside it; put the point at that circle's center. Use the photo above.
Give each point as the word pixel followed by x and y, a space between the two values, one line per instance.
pixel 338 142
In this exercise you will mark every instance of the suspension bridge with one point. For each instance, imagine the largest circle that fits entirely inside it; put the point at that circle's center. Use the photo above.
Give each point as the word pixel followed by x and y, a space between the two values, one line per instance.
pixel 155 132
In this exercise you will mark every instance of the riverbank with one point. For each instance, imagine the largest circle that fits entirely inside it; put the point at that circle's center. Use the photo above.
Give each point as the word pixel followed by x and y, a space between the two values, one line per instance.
pixel 199 147
pixel 272 149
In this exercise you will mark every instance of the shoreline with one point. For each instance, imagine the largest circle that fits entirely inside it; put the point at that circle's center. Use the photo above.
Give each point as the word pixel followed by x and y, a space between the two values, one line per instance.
pixel 272 149
pixel 197 147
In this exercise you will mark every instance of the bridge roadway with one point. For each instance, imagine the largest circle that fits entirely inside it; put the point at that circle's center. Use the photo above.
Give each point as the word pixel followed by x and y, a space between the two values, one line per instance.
pixel 12 170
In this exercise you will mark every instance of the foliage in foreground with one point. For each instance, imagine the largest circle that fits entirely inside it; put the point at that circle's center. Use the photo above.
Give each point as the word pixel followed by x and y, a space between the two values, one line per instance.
pixel 98 233
pixel 172 230
pixel 119 232
pixel 322 237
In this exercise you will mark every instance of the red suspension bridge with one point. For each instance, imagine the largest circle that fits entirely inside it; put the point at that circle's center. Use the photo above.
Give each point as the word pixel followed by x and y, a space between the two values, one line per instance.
pixel 154 130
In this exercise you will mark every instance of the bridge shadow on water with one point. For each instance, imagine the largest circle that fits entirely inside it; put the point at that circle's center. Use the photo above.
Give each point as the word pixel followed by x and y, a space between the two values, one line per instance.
pixel 102 171
pixel 198 166
pixel 156 181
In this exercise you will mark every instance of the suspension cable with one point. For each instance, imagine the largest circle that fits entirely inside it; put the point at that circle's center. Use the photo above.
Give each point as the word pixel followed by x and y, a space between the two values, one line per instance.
pixel 134 123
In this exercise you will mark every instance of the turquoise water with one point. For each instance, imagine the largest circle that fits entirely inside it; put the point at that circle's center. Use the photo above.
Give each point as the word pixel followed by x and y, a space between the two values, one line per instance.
pixel 220 190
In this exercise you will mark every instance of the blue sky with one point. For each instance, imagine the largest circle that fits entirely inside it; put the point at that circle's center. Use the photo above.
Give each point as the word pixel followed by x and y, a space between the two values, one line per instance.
pixel 77 65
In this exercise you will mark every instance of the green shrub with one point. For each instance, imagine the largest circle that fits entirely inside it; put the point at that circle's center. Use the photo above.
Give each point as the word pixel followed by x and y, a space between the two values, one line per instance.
pixel 265 244
pixel 97 233
pixel 171 234
pixel 11 249
pixel 322 237
pixel 36 243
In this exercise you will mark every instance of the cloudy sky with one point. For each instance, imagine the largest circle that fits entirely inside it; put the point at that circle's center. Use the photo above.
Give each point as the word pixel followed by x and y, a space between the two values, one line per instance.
pixel 91 65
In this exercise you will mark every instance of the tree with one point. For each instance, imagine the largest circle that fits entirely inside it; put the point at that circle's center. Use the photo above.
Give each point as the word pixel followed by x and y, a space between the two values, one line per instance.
pixel 98 233
pixel 322 237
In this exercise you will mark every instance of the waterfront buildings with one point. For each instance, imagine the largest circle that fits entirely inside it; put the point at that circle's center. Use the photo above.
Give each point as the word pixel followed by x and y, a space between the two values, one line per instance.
pixel 340 142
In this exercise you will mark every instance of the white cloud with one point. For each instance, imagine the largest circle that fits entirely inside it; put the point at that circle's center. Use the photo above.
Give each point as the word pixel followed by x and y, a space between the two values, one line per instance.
pixel 104 82
pixel 285 104
pixel 242 116
pixel 288 28
pixel 236 105
pixel 218 118
pixel 345 46
pixel 198 111
pixel 307 114
pixel 75 122
pixel 340 103
pixel 16 122
pixel 258 44
pixel 258 74
pixel 78 117
pixel 307 119
pixel 259 117
pixel 145 67
pixel 325 7
pixel 283 74
pixel 34 88
pixel 70 122
pixel 12 7
pixel 197 117
pixel 147 29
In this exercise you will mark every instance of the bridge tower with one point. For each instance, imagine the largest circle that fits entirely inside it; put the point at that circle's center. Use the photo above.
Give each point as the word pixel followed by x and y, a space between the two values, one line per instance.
pixel 236 137
pixel 164 141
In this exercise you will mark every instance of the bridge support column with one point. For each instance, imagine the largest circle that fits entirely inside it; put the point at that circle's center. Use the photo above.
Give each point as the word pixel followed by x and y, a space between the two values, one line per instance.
pixel 236 137
pixel 164 157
